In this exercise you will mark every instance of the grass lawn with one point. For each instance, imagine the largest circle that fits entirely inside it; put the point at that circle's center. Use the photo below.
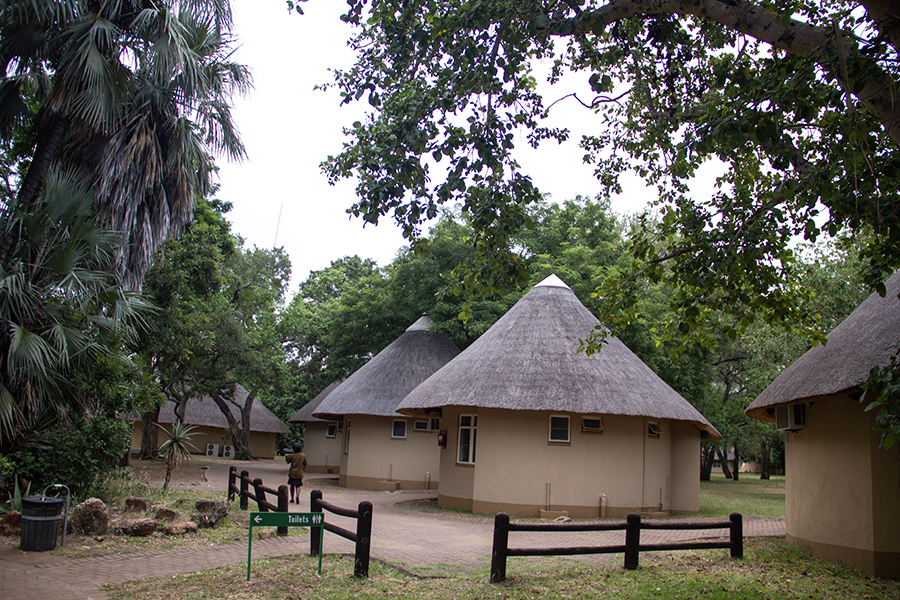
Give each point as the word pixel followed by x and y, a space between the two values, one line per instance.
pixel 770 569
pixel 749 495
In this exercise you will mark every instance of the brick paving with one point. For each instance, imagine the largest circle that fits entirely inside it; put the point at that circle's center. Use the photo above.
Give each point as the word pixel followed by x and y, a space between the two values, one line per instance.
pixel 399 536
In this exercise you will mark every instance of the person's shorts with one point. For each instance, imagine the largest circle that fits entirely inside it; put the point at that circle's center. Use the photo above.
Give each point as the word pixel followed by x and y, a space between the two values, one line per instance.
pixel 295 481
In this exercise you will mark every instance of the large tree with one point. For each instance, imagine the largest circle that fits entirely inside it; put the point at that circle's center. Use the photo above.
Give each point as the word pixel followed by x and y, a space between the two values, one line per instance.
pixel 795 100
pixel 218 304
pixel 134 95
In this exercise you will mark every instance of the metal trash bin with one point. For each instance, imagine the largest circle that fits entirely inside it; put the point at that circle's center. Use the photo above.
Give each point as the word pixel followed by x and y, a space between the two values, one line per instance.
pixel 40 523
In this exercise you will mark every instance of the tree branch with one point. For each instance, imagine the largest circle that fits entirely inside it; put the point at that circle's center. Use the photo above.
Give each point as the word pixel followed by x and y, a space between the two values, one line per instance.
pixel 797 37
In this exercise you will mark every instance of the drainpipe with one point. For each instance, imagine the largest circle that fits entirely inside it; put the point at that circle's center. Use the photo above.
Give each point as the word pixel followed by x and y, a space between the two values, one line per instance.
pixel 548 495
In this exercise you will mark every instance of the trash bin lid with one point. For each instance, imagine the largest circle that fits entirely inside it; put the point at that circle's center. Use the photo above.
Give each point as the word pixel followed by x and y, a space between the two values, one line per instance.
pixel 41 500
pixel 35 506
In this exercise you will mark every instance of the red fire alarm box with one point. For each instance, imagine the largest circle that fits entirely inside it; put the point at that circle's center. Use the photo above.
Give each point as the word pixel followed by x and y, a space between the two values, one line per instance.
pixel 442 438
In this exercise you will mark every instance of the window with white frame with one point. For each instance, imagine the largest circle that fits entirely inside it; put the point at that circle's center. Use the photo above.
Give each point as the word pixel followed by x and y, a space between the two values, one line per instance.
pixel 467 430
pixel 592 424
pixel 435 424
pixel 331 430
pixel 398 431
pixel 420 426
pixel 559 428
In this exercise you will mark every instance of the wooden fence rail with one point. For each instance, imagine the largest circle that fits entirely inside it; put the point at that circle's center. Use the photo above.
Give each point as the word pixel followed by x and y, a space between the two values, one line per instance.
pixel 239 485
pixel 632 547
pixel 362 538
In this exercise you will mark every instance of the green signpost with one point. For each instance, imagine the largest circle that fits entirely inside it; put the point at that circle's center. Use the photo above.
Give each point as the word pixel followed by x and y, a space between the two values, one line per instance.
pixel 281 519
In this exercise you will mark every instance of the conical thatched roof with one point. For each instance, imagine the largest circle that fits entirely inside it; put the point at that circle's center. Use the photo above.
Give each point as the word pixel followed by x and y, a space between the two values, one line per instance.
pixel 205 413
pixel 866 339
pixel 528 360
pixel 380 384
pixel 305 414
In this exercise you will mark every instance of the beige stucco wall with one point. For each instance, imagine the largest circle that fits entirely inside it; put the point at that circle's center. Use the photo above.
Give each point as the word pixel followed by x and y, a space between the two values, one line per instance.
pixel 262 445
pixel 374 456
pixel 842 491
pixel 322 453
pixel 515 461
pixel 685 496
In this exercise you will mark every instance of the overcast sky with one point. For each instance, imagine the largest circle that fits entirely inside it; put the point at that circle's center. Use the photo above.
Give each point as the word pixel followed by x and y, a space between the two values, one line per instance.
pixel 289 128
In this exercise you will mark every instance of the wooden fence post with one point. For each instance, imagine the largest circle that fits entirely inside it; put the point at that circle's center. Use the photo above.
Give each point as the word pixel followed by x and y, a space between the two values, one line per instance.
pixel 245 487
pixel 260 491
pixel 283 506
pixel 315 533
pixel 737 535
pixel 232 475
pixel 632 541
pixel 501 545
pixel 363 539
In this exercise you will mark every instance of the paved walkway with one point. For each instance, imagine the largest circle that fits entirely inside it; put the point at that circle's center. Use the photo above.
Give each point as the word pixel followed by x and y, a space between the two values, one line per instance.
pixel 400 536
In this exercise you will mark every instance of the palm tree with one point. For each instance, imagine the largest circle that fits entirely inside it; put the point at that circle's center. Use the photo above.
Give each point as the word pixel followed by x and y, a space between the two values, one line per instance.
pixel 177 448
pixel 60 308
pixel 134 96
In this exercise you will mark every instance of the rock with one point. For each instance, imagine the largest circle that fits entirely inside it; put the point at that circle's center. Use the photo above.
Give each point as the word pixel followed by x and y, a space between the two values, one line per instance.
pixel 137 504
pixel 265 534
pixel 11 524
pixel 138 528
pixel 165 514
pixel 210 519
pixel 181 528
pixel 207 506
pixel 91 517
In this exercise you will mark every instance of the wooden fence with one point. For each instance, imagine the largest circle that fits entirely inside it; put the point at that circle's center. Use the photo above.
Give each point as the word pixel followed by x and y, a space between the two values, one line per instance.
pixel 362 537
pixel 240 485
pixel 632 547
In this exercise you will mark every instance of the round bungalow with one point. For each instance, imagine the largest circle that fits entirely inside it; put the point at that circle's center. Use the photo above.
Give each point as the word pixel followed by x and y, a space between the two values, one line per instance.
pixel 321 442
pixel 842 489
pixel 382 449
pixel 533 425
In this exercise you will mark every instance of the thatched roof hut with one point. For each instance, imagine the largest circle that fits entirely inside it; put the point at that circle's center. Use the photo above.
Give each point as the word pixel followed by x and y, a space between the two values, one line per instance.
pixel 205 413
pixel 212 426
pixel 868 338
pixel 842 489
pixel 380 384
pixel 305 414
pixel 529 361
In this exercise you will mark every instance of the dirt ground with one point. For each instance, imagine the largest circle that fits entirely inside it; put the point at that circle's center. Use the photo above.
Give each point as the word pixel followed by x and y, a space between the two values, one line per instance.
pixel 209 472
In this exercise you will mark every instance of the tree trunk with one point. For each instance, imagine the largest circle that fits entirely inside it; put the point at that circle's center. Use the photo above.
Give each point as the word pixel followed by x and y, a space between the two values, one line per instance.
pixel 765 450
pixel 723 460
pixel 245 420
pixel 149 434
pixel 707 458
pixel 241 445
pixel 48 147
pixel 737 463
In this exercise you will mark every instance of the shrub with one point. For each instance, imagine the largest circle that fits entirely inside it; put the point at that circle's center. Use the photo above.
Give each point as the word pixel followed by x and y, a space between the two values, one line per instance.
pixel 76 455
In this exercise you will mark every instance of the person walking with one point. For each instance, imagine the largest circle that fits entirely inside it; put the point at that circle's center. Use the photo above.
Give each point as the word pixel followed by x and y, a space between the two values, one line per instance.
pixel 297 460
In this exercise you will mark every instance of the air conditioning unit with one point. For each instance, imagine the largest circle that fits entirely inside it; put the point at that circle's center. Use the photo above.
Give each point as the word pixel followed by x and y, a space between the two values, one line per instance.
pixel 212 449
pixel 228 451
pixel 790 418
